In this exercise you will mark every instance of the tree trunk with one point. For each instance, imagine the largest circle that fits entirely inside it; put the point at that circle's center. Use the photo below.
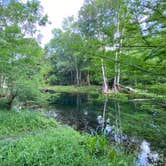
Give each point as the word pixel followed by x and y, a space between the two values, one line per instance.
pixel 105 86
pixel 118 77
pixel 117 74
pixel 3 85
pixel 88 78
pixel 80 77
pixel 1 81
pixel 71 77
pixel 10 100
pixel 117 44
pixel 77 76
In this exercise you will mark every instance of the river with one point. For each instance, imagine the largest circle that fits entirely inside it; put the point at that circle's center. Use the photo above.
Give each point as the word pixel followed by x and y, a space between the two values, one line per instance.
pixel 138 125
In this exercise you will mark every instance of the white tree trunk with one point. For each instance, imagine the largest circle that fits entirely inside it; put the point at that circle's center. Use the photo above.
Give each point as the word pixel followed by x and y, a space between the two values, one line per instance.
pixel 118 43
pixel 77 76
pixel 105 86
pixel 117 76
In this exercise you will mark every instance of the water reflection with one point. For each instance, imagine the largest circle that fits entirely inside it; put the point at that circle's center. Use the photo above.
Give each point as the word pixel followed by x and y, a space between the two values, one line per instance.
pixel 127 123
pixel 146 157
pixel 104 125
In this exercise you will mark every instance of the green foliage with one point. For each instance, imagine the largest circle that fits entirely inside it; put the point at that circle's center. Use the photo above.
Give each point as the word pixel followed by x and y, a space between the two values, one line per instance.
pixel 25 121
pixel 31 139
pixel 30 90
pixel 20 56
pixel 67 51
pixel 51 147
pixel 3 103
pixel 158 89
pixel 118 96
pixel 128 35
pixel 53 80
pixel 97 145
pixel 81 44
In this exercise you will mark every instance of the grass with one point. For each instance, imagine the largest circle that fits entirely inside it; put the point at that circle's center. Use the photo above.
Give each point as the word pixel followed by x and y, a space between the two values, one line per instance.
pixel 12 123
pixel 76 89
pixel 158 89
pixel 151 95
pixel 92 89
pixel 37 140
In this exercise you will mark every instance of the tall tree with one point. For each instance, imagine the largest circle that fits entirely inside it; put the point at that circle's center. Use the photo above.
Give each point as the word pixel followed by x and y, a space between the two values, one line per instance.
pixel 19 53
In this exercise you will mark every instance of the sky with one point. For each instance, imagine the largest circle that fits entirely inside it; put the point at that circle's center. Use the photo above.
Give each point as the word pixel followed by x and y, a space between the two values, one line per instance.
pixel 57 10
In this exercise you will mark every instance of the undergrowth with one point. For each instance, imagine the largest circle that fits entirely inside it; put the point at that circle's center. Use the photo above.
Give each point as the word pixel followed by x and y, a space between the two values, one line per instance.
pixel 53 144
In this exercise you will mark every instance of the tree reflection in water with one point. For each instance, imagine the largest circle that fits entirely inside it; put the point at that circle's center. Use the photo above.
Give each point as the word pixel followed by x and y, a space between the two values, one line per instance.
pixel 104 125
pixel 93 114
pixel 145 156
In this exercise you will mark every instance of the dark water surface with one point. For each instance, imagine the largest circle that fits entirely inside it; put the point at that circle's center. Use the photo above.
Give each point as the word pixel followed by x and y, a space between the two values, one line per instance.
pixel 140 126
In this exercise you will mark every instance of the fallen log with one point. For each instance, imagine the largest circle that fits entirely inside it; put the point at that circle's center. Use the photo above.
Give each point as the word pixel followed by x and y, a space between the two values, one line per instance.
pixel 140 99
pixel 128 88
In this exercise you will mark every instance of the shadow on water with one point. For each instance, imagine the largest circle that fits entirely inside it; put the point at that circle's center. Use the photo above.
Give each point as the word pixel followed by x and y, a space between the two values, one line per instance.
pixel 139 126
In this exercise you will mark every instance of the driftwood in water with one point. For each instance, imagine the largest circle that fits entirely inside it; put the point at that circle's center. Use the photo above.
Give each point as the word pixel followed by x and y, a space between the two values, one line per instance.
pixel 128 88
pixel 140 99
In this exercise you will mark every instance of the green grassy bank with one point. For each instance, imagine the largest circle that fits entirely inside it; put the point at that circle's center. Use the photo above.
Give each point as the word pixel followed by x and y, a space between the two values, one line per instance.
pixel 29 138
pixel 75 89
pixel 92 89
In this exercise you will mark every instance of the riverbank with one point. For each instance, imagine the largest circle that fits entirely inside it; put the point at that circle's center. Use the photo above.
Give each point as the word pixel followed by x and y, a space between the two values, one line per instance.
pixel 92 89
pixel 31 138
pixel 74 89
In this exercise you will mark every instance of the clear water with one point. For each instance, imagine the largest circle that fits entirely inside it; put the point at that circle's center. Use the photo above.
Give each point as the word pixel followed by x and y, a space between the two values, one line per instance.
pixel 139 125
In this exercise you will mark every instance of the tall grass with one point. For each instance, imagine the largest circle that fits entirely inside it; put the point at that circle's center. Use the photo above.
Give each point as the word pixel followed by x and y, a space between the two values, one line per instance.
pixel 12 122
pixel 50 144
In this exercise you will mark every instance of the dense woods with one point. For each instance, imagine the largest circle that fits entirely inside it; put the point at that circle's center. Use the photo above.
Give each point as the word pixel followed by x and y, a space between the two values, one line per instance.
pixel 115 43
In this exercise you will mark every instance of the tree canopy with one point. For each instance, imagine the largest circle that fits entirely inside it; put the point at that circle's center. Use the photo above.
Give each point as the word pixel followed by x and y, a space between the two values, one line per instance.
pixel 20 52
pixel 125 37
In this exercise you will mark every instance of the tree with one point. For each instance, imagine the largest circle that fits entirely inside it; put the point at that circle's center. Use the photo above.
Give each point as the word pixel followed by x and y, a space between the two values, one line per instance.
pixel 105 20
pixel 69 54
pixel 117 42
pixel 19 53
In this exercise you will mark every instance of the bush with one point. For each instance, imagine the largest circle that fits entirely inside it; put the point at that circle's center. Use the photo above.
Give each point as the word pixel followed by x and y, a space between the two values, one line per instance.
pixel 52 80
pixel 30 90
pixel 3 103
